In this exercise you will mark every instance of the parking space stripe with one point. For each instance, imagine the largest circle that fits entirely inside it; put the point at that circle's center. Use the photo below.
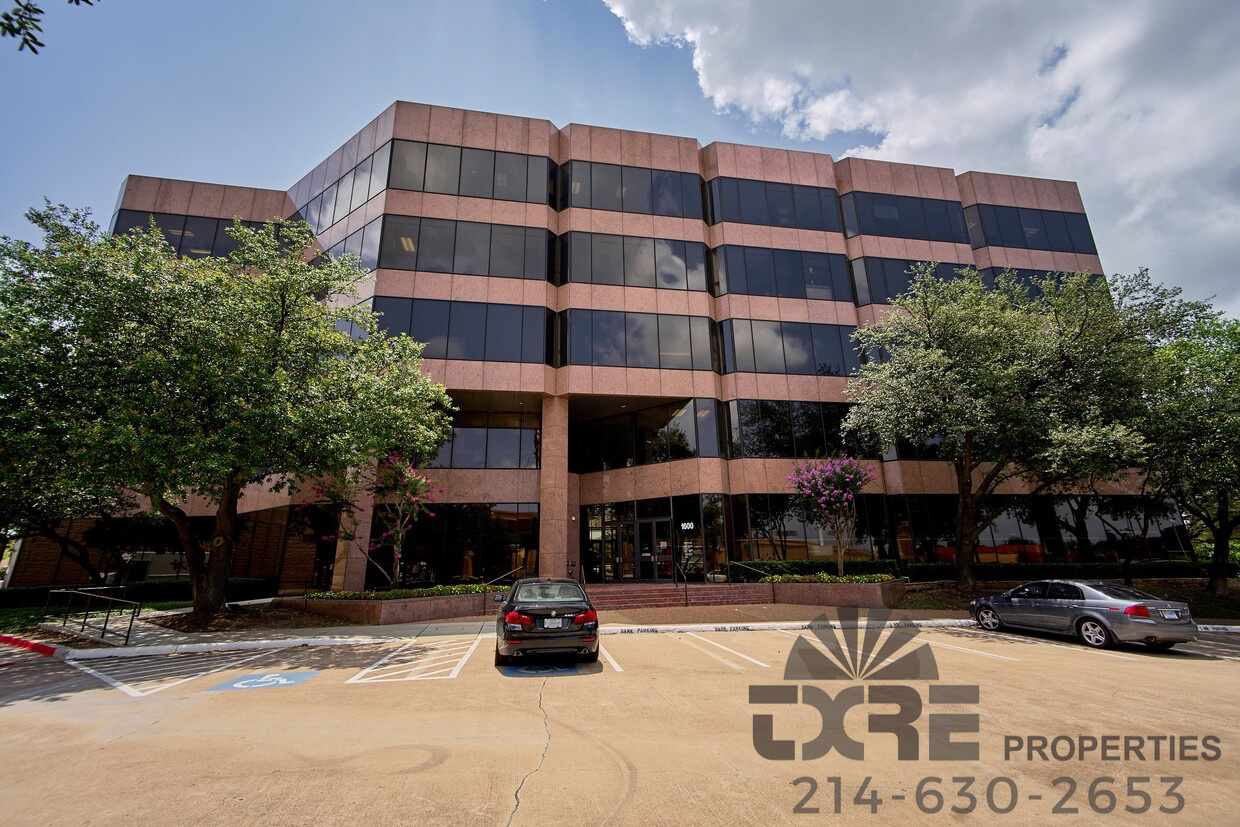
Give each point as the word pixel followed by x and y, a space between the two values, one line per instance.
pixel 1071 648
pixel 132 681
pixel 607 657
pixel 733 651
pixel 710 654
pixel 970 651
pixel 461 665
pixel 441 659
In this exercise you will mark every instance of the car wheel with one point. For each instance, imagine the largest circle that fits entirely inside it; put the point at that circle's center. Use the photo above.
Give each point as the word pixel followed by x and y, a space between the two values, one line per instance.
pixel 1160 645
pixel 501 660
pixel 1093 633
pixel 989 620
pixel 590 657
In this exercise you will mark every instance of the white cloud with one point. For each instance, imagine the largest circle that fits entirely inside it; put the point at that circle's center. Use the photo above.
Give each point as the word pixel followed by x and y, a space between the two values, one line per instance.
pixel 1136 102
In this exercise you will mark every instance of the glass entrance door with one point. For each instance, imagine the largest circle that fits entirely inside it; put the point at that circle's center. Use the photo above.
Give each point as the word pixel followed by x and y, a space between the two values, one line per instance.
pixel 654 543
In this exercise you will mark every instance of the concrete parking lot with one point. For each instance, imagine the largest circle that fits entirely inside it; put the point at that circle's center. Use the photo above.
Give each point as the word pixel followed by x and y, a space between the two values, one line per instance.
pixel 660 731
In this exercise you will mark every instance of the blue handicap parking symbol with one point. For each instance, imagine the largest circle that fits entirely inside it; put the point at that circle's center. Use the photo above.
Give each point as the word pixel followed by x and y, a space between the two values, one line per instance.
pixel 265 680
pixel 540 670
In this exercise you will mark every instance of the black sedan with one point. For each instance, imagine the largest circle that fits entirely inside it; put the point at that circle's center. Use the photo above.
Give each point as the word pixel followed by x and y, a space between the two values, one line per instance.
pixel 545 615
pixel 1097 613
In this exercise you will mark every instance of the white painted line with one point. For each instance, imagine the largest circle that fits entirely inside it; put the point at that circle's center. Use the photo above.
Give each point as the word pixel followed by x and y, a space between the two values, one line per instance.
pixel 970 651
pixel 607 656
pixel 1069 647
pixel 710 654
pixel 380 662
pixel 459 666
pixel 135 692
pixel 733 651
pixel 226 646
pixel 450 654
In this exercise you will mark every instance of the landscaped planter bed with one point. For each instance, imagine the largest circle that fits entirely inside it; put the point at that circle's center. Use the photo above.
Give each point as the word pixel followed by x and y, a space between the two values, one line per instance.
pixel 839 594
pixel 385 612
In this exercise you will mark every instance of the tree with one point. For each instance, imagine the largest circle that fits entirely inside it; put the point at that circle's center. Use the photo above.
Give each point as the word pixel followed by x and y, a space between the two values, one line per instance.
pixel 1194 422
pixel 23 22
pixel 1035 389
pixel 177 378
pixel 827 492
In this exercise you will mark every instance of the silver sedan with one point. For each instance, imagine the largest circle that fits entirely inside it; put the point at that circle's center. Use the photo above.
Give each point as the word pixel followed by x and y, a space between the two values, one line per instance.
pixel 1098 613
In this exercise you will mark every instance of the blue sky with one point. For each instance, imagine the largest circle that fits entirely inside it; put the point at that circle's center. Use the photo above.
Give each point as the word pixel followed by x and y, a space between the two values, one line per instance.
pixel 1135 102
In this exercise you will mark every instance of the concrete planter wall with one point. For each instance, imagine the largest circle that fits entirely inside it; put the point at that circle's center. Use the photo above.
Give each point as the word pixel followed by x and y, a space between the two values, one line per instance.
pixel 384 612
pixel 840 594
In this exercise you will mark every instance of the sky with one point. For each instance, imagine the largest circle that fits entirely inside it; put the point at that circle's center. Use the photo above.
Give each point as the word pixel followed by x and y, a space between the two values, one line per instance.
pixel 1139 102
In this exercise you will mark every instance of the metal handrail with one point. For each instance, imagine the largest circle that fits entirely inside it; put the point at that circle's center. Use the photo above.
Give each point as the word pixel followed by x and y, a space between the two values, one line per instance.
pixel 751 568
pixel 685 575
pixel 101 628
pixel 502 576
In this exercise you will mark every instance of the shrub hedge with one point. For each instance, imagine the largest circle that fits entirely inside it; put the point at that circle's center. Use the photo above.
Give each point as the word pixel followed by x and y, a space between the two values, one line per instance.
pixel 405 594
pixel 771 568
pixel 823 577
pixel 144 591
pixel 928 572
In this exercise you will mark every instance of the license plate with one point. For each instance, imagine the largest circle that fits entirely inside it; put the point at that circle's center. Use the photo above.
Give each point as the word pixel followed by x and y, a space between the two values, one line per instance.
pixel 553 623
pixel 1171 615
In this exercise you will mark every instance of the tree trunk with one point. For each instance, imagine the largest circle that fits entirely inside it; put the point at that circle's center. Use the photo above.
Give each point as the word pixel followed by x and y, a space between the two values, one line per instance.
pixel 76 552
pixel 1219 561
pixel 211 597
pixel 966 519
pixel 195 561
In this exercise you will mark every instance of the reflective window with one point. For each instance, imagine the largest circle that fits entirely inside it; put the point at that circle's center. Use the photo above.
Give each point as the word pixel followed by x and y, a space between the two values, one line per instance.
pixel 675 349
pixel 477 173
pixel 670 264
pixel 608 329
pixel 695 264
pixel 532 333
pixel 798 348
pixel 768 347
pixel 429 324
pixel 408 165
pixel 503 448
pixel 507 251
pixel 667 199
pixel 394 314
pixel 510 172
pixel 467 331
pixel 438 243
pixel 473 249
pixel 537 244
pixel 879 280
pixel 607 259
pixel 605 187
pixel 539 177
pixel 369 251
pixel 637 190
pixel 642 340
pixel 198 237
pixel 902 216
pixel 789 276
pixel 753 202
pixel 399 250
pixel 344 195
pixel 379 169
pixel 361 185
pixel 700 337
pixel 1028 228
pixel 443 169
pixel 639 265
pixel 469 447
pixel 503 332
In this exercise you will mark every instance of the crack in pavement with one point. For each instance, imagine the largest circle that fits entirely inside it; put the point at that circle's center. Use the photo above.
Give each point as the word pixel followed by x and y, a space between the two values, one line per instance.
pixel 546 728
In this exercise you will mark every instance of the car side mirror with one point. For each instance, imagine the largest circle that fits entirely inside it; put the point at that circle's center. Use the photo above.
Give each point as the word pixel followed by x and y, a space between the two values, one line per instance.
pixel 1007 597
pixel 499 598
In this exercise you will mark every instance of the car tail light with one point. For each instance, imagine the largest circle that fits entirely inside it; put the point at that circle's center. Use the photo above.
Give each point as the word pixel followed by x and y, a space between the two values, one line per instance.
pixel 518 619
pixel 1137 611
pixel 588 616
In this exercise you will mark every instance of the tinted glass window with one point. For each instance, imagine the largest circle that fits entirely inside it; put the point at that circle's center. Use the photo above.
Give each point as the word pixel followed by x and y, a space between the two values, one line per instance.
pixel 532 334
pixel 1063 591
pixel 538 180
pixel 1057 231
pixel 473 248
pixel 438 242
pixel 828 353
pixel 605 187
pixel 1078 228
pixel 675 350
pixel 808 431
pixel 580 256
pixel 808 208
pixel 379 170
pixel 798 348
pixel 400 243
pixel 753 201
pixel 817 277
pixel 852 223
pixel 607 259
pixel 469 447
pixel 443 169
pixel 361 184
pixel 742 336
pixel 430 325
pixel 1030 591
pixel 695 263
pixel 579 187
pixel 639 262
pixel 1011 233
pixel 537 243
pixel 680 434
pixel 503 333
pixel 730 196
pixel 768 347
pixel 1035 230
pixel 734 267
pixel 691 194
pixel 608 345
pixel 344 193
pixel 707 428
pixel 370 244
pixel 503 448
pixel 666 193
pixel 477 172
pixel 637 192
pixel 1122 592
pixel 642 340
pixel 789 278
pixel 394 313
pixel 759 271
pixel 224 242
pixel 173 227
pixel 408 165
pixel 670 264
pixel 507 251
pixel 467 332
pixel 198 237
pixel 779 208
pixel 509 183
pixel 580 346
pixel 699 333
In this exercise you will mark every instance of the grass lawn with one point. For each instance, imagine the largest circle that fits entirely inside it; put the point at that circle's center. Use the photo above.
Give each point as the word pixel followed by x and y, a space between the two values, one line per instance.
pixel 1192 592
pixel 17 621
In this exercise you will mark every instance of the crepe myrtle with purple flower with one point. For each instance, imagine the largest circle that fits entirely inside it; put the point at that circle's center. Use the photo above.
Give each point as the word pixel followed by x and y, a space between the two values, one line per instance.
pixel 826 492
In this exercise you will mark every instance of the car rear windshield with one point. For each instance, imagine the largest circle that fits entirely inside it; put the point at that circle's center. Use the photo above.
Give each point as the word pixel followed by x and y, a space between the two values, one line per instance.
pixel 1124 592
pixel 549 593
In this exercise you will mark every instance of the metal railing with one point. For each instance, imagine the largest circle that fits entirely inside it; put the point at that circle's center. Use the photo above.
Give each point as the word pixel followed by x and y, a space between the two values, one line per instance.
pixel 95 616
pixel 751 568
pixel 502 576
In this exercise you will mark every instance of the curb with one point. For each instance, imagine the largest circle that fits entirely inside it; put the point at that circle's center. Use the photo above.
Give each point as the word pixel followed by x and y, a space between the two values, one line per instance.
pixel 779 626
pixel 30 645
pixel 224 646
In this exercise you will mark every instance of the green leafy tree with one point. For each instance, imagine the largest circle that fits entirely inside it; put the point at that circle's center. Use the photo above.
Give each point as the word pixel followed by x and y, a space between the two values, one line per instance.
pixel 25 23
pixel 173 378
pixel 1194 425
pixel 826 494
pixel 1037 390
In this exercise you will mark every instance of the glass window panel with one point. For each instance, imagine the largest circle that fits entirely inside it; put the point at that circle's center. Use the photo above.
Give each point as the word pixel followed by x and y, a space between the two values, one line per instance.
pixel 779 208
pixel 443 169
pixel 344 196
pixel 361 184
pixel 580 191
pixel 897 278
pixel 379 169
pixel 730 191
pixel 695 265
pixel 691 194
pixel 509 183
pixel 637 195
pixel 1035 229
pixel 580 256
pixel 749 425
pixel 1082 238
pixel 669 259
pixel 473 248
pixel 912 217
pixel 830 209
pixel 777 428
pixel 675 349
pixel 605 187
pixel 816 274
pixel 789 278
pixel 443 459
pixel 1057 231
pixel 353 244
pixel 400 243
pixel 699 334
pixel 408 165
pixel 990 225
pixel 469 447
pixel 666 193
pixel 531 447
pixel 507 251
pixel 198 237
pixel 807 430
pixel 718 271
pixel 310 213
pixel 768 347
pixel 607 259
pixel 1011 233
pixel 532 334
pixel 639 262
pixel 760 271
pixel 580 338
pixel 707 427
pixel 938 222
pixel 173 227
pixel 537 243
pixel 642 340
pixel 852 359
pixel 539 172
pixel 438 242
pixel 618 435
pixel 852 226
pixel 973 220
pixel 370 244
pixel 714 190
pixel 753 201
pixel 224 242
pixel 477 173
pixel 394 314
pixel 808 208
pixel 828 356
pixel 841 279
pixel 467 330
pixel 503 448
pixel 503 333
pixel 955 214
pixel 798 348
pixel 885 213
pixel 738 281
pixel 128 220
pixel 608 345
pixel 742 333
pixel 429 324
pixel 680 435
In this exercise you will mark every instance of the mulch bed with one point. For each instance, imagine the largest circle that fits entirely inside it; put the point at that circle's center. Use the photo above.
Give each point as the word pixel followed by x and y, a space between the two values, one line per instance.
pixel 243 618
